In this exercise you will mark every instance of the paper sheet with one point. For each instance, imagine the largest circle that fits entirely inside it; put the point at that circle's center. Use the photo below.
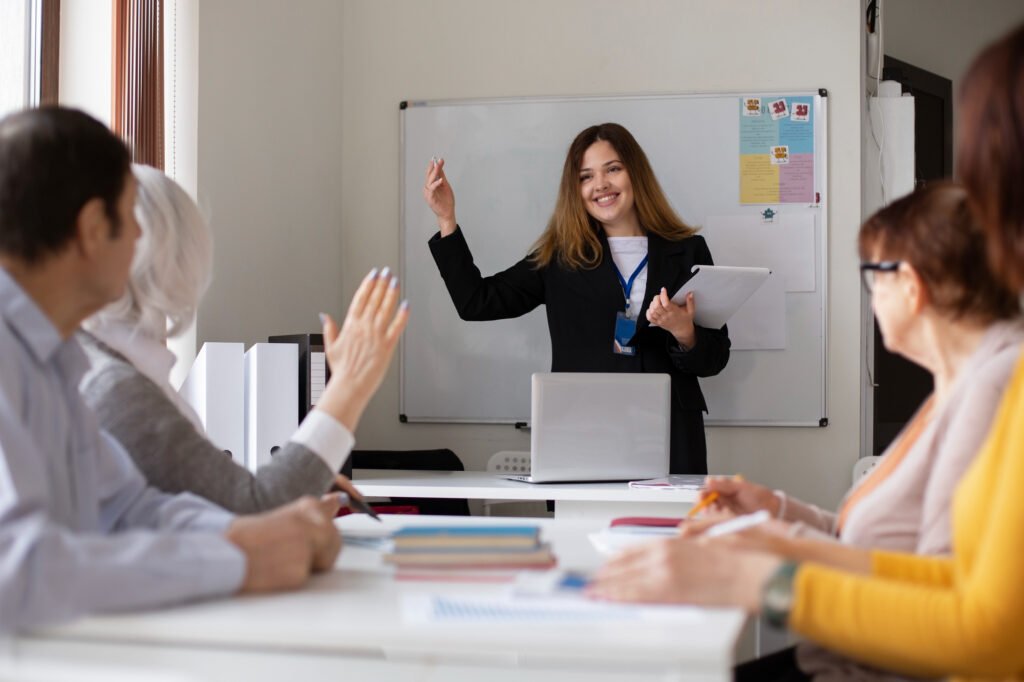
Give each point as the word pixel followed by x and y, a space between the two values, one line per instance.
pixel 760 324
pixel 317 376
pixel 609 544
pixel 776 150
pixel 466 610
pixel 784 246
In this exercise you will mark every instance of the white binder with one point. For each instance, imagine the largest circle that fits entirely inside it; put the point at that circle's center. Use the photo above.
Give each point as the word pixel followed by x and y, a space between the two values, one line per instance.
pixel 215 388
pixel 271 400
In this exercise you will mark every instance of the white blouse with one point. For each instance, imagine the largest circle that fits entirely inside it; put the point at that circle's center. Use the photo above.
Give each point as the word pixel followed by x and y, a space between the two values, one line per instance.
pixel 627 252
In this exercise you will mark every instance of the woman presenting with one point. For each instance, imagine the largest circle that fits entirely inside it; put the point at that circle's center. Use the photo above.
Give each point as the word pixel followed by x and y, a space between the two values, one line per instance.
pixel 612 254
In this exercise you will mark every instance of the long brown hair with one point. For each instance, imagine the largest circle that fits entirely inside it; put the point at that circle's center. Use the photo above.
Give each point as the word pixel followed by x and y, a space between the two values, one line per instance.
pixel 571 236
pixel 934 230
pixel 990 151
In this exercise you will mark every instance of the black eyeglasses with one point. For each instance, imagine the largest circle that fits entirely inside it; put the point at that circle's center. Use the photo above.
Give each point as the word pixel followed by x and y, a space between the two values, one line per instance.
pixel 869 270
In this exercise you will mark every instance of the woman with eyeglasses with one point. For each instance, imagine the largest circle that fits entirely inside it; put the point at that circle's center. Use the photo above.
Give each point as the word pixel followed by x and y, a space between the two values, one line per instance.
pixel 938 305
pixel 960 615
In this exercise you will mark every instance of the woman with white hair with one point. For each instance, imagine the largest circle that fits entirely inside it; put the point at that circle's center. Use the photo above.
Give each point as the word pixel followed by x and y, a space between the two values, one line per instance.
pixel 128 385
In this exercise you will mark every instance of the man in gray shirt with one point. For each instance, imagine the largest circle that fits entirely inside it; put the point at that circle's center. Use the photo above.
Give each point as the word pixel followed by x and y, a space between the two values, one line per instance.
pixel 80 530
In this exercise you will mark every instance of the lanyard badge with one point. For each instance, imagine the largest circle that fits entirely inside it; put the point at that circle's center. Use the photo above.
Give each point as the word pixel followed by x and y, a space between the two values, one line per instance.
pixel 625 321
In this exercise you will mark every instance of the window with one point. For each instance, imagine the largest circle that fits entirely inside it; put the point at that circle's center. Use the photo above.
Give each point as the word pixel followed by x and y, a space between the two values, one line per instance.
pixel 14 72
pixel 138 88
pixel 29 34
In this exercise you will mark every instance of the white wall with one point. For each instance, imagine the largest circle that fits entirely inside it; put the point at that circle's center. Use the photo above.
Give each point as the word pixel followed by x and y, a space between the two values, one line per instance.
pixel 395 50
pixel 269 165
pixel 13 69
pixel 181 132
pixel 943 36
pixel 86 28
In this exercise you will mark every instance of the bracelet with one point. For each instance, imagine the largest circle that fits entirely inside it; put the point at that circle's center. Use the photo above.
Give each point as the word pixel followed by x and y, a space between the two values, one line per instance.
pixel 777 595
pixel 781 514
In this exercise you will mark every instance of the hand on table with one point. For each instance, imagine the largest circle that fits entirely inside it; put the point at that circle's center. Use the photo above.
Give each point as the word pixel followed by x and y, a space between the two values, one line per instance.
pixel 282 547
pixel 684 571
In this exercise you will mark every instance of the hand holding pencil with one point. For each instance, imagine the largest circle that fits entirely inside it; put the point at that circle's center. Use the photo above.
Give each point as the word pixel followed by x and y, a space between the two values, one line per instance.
pixel 737 495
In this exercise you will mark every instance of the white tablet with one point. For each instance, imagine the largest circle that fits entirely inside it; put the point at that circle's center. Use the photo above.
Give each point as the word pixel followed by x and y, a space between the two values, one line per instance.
pixel 719 291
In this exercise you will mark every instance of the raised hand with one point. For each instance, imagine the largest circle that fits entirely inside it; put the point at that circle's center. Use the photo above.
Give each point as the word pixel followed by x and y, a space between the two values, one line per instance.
pixel 360 352
pixel 675 319
pixel 440 197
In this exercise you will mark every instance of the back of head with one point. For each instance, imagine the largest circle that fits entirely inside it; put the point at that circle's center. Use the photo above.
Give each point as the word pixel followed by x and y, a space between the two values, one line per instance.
pixel 934 231
pixel 571 234
pixel 990 151
pixel 172 263
pixel 52 161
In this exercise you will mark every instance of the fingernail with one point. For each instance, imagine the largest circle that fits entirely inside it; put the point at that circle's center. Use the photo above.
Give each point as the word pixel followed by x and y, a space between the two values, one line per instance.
pixel 394 282
pixel 385 272
pixel 372 274
pixel 433 160
pixel 323 319
pixel 404 305
pixel 342 499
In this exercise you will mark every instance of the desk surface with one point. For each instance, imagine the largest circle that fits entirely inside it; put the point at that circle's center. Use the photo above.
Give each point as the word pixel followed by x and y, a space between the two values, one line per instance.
pixel 356 611
pixel 487 485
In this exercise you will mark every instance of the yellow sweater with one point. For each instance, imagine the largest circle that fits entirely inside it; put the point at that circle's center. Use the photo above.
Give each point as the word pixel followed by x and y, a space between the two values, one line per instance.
pixel 928 616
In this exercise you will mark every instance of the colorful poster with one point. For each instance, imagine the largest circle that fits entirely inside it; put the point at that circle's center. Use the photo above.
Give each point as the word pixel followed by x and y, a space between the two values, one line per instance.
pixel 776 150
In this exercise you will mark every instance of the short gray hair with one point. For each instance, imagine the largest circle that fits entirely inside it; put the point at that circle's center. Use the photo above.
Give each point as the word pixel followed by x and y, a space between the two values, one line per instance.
pixel 173 260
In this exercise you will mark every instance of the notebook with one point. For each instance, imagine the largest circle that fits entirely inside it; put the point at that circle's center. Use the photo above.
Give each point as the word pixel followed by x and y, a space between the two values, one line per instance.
pixel 598 427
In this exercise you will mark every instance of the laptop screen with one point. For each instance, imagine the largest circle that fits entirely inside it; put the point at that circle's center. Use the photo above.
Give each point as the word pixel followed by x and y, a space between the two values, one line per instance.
pixel 599 426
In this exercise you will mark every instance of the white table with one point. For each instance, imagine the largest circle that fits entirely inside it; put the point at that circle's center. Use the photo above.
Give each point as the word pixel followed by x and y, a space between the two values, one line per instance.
pixel 594 501
pixel 347 625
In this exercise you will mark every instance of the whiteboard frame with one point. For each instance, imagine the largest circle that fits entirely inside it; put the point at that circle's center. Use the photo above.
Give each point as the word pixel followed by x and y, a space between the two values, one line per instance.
pixel 821 181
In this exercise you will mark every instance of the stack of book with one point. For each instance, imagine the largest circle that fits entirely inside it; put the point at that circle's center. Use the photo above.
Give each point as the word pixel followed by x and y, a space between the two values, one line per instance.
pixel 473 547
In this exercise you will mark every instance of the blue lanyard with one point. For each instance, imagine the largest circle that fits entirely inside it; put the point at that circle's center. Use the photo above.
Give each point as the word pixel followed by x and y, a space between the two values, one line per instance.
pixel 627 287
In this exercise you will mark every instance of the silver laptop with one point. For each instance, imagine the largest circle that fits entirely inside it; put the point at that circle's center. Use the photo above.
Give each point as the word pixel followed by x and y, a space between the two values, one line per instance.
pixel 598 427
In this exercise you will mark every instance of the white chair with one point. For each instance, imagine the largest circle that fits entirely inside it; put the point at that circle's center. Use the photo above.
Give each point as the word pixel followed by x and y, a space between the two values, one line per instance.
pixel 863 466
pixel 509 462
pixel 506 462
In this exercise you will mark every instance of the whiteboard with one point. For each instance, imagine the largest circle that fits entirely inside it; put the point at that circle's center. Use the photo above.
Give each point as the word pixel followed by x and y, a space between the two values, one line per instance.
pixel 504 160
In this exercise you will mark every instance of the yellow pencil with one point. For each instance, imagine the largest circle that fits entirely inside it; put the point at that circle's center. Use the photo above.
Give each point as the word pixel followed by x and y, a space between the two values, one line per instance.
pixel 695 509
pixel 710 499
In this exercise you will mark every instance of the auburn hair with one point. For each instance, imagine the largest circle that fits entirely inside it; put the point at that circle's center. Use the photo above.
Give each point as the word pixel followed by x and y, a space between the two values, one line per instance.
pixel 572 235
pixel 990 151
pixel 934 230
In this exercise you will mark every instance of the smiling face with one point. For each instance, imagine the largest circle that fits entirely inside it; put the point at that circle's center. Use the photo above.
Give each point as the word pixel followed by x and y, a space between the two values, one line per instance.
pixel 606 190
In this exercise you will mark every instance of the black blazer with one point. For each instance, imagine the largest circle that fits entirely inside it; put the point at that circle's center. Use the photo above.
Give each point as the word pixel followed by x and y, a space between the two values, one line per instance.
pixel 581 309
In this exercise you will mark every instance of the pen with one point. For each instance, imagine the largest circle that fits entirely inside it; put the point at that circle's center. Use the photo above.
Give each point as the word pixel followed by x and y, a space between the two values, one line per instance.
pixel 361 506
pixel 738 524
pixel 355 501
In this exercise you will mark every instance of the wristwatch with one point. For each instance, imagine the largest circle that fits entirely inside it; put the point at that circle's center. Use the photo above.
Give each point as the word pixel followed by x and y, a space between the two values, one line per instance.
pixel 777 595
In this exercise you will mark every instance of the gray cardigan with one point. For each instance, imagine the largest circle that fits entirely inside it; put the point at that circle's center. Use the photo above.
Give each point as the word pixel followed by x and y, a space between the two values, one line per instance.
pixel 174 456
